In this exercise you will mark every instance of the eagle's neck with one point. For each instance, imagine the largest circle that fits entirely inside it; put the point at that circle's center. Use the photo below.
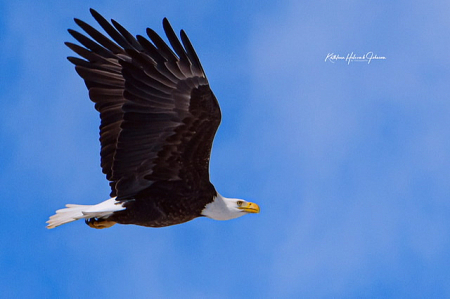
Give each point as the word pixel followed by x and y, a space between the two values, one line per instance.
pixel 221 208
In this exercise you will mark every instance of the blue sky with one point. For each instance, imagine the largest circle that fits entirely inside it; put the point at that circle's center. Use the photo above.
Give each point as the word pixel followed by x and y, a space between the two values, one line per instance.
pixel 350 164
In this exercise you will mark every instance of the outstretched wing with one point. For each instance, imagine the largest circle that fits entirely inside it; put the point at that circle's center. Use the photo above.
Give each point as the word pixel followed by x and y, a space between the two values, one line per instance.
pixel 158 114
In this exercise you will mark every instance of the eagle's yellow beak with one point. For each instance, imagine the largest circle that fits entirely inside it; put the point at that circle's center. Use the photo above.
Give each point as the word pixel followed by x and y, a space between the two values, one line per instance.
pixel 249 207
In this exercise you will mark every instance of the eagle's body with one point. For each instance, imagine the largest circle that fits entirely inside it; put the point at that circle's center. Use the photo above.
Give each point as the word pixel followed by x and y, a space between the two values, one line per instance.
pixel 158 121
pixel 161 206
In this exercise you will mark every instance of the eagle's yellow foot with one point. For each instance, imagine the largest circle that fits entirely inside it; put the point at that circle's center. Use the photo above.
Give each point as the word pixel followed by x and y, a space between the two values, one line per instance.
pixel 99 223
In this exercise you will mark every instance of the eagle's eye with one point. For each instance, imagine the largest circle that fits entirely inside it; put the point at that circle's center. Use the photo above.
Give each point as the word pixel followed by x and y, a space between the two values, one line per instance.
pixel 239 202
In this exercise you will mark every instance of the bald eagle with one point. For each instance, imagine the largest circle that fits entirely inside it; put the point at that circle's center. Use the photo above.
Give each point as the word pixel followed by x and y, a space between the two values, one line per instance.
pixel 158 121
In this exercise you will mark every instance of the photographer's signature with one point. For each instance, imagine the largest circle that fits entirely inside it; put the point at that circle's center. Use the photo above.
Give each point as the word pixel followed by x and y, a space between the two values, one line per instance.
pixel 351 57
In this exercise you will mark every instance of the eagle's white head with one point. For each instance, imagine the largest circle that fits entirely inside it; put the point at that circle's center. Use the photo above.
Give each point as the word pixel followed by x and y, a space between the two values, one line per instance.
pixel 223 208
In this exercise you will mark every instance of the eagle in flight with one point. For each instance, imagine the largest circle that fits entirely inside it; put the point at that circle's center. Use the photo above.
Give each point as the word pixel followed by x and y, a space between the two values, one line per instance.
pixel 158 121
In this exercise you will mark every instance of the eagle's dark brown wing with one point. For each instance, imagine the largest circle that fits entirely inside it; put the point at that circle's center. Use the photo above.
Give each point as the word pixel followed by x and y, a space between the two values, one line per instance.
pixel 158 114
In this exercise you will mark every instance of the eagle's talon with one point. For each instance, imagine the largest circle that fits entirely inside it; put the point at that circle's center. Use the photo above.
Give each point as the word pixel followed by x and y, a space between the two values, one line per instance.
pixel 99 223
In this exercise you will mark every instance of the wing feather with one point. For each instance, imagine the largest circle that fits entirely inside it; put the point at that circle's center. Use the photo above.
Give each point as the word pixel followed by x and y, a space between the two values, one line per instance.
pixel 158 114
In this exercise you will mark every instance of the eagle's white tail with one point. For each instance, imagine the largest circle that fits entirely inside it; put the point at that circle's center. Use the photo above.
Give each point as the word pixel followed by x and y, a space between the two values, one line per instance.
pixel 75 212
